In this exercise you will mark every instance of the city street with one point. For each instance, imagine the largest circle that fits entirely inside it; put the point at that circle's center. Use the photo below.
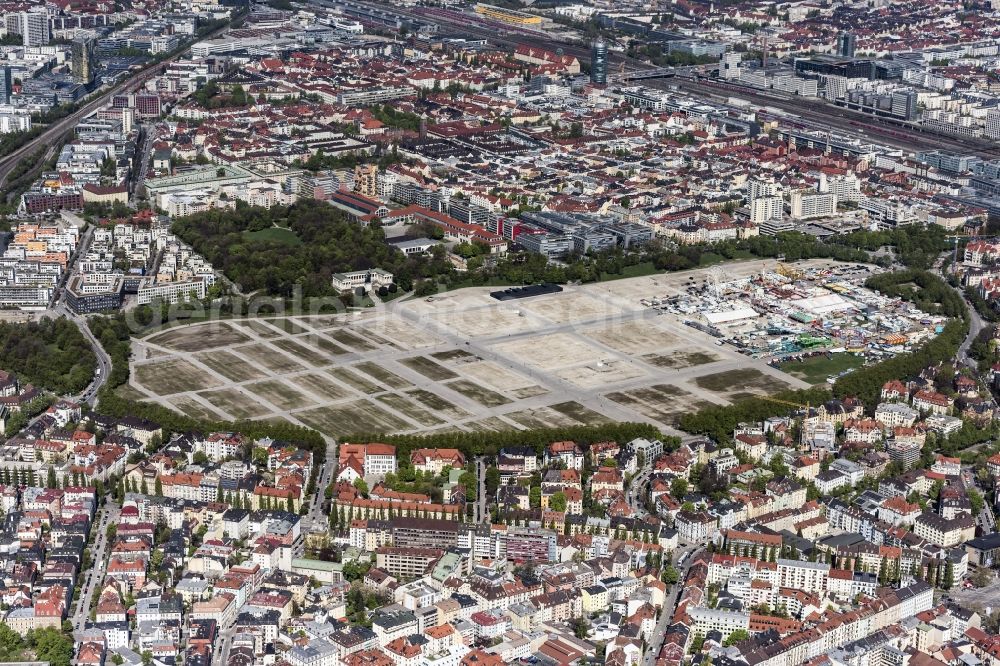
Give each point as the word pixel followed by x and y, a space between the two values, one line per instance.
pixel 670 603
pixel 986 521
pixel 482 514
pixel 148 132
pixel 635 494
pixel 92 577
pixel 220 651
pixel 316 518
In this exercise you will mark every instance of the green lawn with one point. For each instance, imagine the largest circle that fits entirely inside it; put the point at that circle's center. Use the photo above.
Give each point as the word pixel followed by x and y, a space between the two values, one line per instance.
pixel 641 269
pixel 277 234
pixel 393 295
pixel 636 270
pixel 492 282
pixel 711 258
pixel 816 369
pixel 645 268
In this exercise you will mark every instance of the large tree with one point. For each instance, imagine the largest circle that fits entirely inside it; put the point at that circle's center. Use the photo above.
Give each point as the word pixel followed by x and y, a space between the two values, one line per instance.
pixel 535 497
pixel 52 645
pixel 52 354
pixel 492 481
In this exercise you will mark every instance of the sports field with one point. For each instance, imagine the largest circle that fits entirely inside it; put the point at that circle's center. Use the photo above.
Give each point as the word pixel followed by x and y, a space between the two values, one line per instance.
pixel 457 361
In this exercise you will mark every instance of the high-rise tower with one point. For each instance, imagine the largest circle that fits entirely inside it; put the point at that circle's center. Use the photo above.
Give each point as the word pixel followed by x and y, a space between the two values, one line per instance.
pixel 84 59
pixel 847 43
pixel 599 63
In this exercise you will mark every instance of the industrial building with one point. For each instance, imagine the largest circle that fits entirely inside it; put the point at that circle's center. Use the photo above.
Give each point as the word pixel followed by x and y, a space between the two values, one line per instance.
pixel 900 103
pixel 851 68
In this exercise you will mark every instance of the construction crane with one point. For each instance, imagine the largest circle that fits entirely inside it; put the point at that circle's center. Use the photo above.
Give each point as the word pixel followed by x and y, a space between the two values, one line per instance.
pixel 788 271
pixel 798 405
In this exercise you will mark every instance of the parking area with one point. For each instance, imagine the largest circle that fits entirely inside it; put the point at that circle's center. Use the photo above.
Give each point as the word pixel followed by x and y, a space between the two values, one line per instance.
pixel 981 598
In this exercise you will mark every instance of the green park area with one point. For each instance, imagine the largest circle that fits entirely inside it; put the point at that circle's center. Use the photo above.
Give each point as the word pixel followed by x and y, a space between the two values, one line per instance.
pixel 816 369
pixel 275 234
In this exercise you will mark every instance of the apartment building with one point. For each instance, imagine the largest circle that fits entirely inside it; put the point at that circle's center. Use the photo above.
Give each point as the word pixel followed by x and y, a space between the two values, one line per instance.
pixel 804 205
pixel 799 575
pixel 892 415
pixel 695 527
pixel 942 532
pixel 392 624
pixel 705 620
pixel 406 562
pixel 434 461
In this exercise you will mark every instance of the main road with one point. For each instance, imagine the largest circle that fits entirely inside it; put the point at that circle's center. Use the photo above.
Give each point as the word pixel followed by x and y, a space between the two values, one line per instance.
pixel 976 325
pixel 60 308
pixel 89 394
